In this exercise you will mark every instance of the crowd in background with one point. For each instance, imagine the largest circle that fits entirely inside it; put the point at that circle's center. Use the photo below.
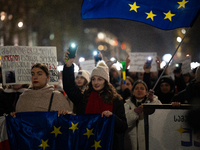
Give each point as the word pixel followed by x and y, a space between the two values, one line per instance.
pixel 103 91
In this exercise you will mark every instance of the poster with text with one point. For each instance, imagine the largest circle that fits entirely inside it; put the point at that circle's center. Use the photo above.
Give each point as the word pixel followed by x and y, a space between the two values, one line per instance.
pixel 87 65
pixel 168 129
pixel 138 59
pixel 16 63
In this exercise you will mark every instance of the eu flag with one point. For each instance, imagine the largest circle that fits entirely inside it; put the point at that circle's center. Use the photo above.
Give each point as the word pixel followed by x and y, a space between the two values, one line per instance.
pixel 163 14
pixel 47 131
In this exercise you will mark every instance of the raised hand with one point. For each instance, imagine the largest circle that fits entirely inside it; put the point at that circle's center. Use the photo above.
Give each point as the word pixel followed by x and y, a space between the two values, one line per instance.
pixel 68 61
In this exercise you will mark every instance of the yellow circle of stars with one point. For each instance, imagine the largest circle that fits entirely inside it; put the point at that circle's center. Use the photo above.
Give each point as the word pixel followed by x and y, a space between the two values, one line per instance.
pixel 151 15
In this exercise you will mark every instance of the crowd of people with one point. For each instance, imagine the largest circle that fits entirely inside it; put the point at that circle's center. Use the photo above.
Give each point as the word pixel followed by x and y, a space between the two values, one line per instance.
pixel 103 91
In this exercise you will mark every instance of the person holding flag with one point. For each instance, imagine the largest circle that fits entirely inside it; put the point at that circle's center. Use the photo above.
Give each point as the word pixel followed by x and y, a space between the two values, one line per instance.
pixel 99 97
pixel 135 135
pixel 38 96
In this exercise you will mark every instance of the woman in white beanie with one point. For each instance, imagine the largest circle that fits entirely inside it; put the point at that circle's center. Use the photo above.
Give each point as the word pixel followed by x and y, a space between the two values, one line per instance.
pixel 81 80
pixel 99 97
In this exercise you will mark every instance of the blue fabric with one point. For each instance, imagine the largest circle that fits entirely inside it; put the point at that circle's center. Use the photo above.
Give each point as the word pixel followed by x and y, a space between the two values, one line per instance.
pixel 183 14
pixel 35 131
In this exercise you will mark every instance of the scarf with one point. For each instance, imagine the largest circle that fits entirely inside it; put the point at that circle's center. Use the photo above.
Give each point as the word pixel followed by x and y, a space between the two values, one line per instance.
pixel 96 104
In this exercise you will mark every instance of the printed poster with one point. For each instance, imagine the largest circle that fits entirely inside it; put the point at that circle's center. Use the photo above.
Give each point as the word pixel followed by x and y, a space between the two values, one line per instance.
pixel 16 63
pixel 137 61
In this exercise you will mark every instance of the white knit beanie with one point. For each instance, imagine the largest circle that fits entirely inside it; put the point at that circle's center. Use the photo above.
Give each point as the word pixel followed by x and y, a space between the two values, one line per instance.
pixel 198 74
pixel 85 74
pixel 101 70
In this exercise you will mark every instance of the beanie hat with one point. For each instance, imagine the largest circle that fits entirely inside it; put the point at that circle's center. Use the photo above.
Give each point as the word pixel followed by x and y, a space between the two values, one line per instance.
pixel 101 70
pixel 167 79
pixel 198 74
pixel 85 74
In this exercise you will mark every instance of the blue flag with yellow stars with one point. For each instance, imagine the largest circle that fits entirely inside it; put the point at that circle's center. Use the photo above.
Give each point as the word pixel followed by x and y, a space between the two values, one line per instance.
pixel 47 131
pixel 163 14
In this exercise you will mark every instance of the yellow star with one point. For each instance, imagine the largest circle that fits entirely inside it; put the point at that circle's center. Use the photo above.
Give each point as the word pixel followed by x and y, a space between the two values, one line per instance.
pixel 44 144
pixel 150 15
pixel 74 126
pixel 181 130
pixel 89 132
pixel 182 4
pixel 96 144
pixel 169 15
pixel 134 7
pixel 56 131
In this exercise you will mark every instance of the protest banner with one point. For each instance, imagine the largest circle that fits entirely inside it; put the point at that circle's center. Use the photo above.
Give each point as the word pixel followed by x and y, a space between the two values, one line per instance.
pixel 16 63
pixel 168 129
pixel 137 60
pixel 87 65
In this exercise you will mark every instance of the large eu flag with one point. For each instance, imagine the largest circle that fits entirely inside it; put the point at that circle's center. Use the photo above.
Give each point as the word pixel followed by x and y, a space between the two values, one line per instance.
pixel 47 131
pixel 163 14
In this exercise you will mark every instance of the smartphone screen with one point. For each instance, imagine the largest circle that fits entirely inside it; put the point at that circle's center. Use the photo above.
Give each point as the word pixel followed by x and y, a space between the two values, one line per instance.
pixel 149 61
pixel 178 68
pixel 72 50
pixel 96 57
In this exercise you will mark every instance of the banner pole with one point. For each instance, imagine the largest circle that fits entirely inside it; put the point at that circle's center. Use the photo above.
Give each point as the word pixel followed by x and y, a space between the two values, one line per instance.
pixel 170 60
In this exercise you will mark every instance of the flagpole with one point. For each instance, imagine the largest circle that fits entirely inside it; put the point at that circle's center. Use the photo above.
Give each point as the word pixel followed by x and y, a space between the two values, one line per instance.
pixel 170 59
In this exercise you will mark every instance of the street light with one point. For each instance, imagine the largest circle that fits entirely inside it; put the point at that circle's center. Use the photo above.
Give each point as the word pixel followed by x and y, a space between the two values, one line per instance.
pixel 179 39
pixel 183 31
pixel 20 24
pixel 167 57
pixel 3 15
pixel 100 35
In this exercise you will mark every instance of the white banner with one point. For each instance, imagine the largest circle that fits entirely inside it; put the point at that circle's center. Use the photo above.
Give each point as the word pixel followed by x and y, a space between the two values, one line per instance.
pixel 168 130
pixel 16 63
pixel 88 65
pixel 138 60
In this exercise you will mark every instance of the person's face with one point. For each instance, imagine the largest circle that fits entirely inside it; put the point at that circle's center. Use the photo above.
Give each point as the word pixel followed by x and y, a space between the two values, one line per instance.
pixel 80 80
pixel 139 91
pixel 153 75
pixel 39 78
pixel 17 86
pixel 98 83
pixel 140 75
pixel 115 74
pixel 165 87
pixel 129 85
pixel 186 79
